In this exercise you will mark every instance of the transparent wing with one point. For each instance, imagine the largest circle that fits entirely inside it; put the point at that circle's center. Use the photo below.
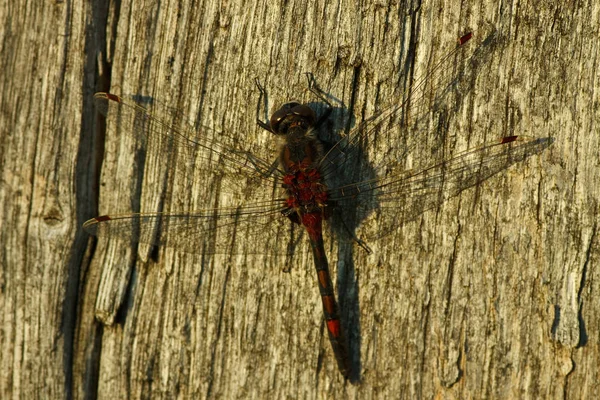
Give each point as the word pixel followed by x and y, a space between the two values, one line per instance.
pixel 401 196
pixel 413 103
pixel 231 230
pixel 180 147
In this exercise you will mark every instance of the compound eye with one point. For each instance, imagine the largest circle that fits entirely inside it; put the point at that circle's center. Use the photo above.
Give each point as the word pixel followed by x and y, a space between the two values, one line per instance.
pixel 305 112
pixel 291 111
pixel 279 115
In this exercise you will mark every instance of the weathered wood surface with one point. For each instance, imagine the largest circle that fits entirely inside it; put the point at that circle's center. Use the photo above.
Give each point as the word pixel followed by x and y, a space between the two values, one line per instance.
pixel 492 294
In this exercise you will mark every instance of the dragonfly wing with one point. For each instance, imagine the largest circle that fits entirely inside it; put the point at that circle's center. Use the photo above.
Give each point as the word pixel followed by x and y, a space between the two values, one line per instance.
pixel 414 104
pixel 181 147
pixel 252 229
pixel 404 195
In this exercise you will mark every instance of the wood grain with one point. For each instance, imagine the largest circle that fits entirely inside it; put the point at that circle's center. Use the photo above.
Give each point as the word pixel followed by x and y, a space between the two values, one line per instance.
pixel 490 294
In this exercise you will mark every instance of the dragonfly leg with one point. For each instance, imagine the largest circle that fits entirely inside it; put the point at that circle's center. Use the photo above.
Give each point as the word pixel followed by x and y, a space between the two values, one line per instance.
pixel 293 244
pixel 294 240
pixel 355 239
pixel 314 89
pixel 262 98
pixel 265 170
pixel 363 244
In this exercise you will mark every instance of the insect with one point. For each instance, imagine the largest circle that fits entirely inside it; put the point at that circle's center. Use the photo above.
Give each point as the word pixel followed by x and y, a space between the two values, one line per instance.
pixel 307 175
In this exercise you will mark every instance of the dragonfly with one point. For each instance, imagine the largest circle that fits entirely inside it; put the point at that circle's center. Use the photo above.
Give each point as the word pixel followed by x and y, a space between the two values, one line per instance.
pixel 311 179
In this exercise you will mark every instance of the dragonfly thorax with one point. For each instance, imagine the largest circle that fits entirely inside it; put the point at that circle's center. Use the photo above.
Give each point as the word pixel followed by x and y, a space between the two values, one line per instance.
pixel 300 157
pixel 306 192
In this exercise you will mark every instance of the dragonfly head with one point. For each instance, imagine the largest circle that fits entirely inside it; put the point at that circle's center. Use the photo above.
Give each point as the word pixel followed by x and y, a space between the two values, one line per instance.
pixel 292 115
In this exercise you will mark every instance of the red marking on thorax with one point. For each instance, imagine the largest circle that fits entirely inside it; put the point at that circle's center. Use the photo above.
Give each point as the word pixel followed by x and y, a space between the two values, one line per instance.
pixel 306 193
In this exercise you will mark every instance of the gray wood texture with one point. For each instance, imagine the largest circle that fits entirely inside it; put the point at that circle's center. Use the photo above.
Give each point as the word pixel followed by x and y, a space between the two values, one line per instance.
pixel 491 294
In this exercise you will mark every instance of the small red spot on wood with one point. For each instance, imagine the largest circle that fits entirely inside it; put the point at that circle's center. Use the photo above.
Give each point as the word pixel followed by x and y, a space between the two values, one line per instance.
pixel 102 218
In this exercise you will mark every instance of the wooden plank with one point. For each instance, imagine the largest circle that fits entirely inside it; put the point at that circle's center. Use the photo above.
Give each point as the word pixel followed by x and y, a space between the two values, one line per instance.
pixel 489 294
pixel 43 85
